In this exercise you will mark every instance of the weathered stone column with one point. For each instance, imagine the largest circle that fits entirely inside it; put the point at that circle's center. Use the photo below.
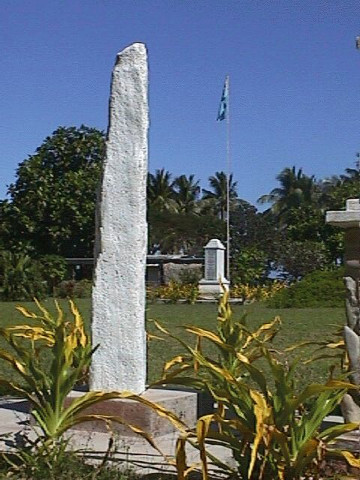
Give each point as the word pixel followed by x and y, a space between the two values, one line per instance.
pixel 211 284
pixel 118 309
pixel 350 221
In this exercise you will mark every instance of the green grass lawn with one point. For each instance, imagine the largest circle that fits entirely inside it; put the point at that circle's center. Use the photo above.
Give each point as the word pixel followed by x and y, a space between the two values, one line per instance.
pixel 297 325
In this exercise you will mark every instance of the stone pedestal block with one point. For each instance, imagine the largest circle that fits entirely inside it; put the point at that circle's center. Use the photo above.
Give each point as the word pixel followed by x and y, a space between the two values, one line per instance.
pixel 183 404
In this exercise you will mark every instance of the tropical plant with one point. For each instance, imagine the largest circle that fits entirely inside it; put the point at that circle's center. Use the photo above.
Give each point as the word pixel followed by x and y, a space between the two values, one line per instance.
pixel 174 292
pixel 187 192
pixel 179 232
pixel 295 189
pixel 67 350
pixel 249 293
pixel 21 277
pixel 250 266
pixel 160 191
pixel 271 427
pixel 220 183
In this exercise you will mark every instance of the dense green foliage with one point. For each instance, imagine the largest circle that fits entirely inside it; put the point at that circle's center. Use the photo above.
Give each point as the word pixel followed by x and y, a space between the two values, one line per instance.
pixel 318 289
pixel 21 277
pixel 51 210
pixel 52 203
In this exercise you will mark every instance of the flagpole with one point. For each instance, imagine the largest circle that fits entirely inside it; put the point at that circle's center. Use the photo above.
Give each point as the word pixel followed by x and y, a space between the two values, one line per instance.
pixel 224 112
pixel 228 161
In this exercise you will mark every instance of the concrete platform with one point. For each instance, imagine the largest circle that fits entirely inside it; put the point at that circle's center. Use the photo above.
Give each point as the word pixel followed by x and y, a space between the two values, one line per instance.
pixel 128 451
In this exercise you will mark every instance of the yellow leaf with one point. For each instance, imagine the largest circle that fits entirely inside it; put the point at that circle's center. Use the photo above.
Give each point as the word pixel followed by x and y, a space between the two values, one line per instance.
pixel 242 357
pixel 261 411
pixel 349 457
pixel 60 312
pixel 32 333
pixel 174 361
pixel 151 336
pixel 206 334
pixel 202 429
pixel 341 343
pixel 180 458
pixel 79 324
pixel 263 328
pixel 26 312
pixel 47 315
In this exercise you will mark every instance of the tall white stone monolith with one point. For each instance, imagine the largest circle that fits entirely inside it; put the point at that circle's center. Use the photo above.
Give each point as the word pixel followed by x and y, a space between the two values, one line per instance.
pixel 118 309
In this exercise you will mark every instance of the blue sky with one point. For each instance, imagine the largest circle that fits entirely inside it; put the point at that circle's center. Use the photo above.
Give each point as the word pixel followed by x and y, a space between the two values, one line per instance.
pixel 294 76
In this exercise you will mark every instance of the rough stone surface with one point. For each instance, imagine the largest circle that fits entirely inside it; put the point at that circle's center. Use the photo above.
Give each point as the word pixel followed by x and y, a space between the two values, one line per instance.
pixel 121 233
pixel 350 221
pixel 214 279
pixel 349 218
pixel 182 404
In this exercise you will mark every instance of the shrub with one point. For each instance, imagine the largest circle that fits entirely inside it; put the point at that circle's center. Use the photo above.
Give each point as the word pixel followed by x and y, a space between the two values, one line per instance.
pixel 73 289
pixel 270 424
pixel 250 293
pixel 173 292
pixel 53 269
pixel 250 266
pixel 318 289
pixel 21 277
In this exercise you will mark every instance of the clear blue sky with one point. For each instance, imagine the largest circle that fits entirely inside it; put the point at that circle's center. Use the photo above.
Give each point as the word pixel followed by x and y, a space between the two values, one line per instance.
pixel 293 67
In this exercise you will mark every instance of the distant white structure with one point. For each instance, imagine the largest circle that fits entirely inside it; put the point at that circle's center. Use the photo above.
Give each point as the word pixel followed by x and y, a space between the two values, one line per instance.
pixel 210 285
pixel 118 302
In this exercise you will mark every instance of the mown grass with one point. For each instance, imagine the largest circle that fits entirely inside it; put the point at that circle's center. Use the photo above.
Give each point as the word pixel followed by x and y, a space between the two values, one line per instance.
pixel 298 325
pixel 308 324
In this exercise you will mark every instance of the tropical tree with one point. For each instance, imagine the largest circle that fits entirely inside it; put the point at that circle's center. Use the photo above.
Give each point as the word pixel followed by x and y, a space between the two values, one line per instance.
pixel 216 198
pixel 52 202
pixel 187 192
pixel 160 191
pixel 296 189
pixel 172 232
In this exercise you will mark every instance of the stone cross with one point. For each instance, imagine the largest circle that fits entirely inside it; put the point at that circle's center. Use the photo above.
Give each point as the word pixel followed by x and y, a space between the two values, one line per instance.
pixel 214 277
pixel 350 221
pixel 118 301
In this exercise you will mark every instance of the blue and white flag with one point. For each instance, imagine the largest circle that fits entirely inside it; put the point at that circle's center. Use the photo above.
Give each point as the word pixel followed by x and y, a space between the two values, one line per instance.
pixel 223 107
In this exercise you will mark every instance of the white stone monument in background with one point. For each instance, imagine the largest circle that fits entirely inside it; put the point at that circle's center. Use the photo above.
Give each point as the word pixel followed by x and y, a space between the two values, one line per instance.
pixel 214 276
pixel 118 302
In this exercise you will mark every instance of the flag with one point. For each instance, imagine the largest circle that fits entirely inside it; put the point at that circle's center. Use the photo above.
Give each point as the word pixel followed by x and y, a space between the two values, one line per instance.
pixel 223 107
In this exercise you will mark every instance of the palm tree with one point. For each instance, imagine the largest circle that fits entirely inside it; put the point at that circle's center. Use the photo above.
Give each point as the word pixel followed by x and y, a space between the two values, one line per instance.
pixel 217 197
pixel 160 191
pixel 186 193
pixel 296 189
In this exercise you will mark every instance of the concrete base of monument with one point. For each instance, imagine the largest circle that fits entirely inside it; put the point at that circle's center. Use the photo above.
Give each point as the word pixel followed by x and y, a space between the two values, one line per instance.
pixel 212 288
pixel 183 404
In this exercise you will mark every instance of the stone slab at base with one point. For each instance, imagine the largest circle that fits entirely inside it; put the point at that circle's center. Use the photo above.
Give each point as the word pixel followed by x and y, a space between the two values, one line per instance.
pixel 212 288
pixel 183 404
